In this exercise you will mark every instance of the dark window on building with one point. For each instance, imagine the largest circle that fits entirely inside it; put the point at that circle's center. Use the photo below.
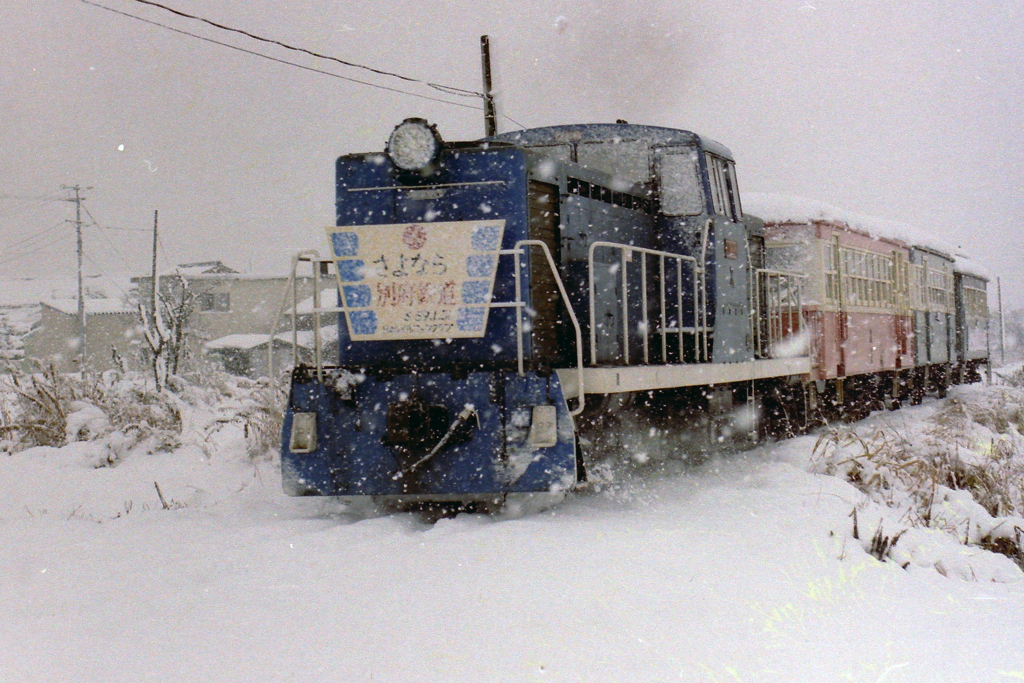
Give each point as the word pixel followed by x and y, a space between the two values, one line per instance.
pixel 236 362
pixel 214 301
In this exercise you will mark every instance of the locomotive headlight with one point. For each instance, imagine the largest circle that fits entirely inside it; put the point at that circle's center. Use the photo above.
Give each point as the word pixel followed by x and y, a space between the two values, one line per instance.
pixel 414 145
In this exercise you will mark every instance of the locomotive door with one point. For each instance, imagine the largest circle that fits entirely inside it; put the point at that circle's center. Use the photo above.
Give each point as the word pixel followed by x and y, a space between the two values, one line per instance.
pixel 759 295
pixel 542 203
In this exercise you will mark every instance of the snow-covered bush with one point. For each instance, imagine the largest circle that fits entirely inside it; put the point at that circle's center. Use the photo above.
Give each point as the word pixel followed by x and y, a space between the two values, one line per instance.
pixel 121 412
pixel 1015 377
pixel 231 407
pixel 963 473
pixel 47 408
pixel 34 410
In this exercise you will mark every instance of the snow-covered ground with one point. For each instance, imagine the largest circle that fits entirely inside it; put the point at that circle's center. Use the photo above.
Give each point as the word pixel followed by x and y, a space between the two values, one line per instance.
pixel 742 568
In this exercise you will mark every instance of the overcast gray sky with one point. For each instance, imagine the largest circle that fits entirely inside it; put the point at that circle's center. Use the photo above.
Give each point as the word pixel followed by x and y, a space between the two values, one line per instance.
pixel 906 110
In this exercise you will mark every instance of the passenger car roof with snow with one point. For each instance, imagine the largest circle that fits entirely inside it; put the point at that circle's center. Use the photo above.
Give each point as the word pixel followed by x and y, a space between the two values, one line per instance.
pixel 969 266
pixel 777 208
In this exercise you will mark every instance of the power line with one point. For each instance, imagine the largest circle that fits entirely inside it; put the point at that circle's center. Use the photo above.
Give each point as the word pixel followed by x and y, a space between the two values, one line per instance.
pixel 117 252
pixel 443 88
pixel 21 204
pixel 278 60
pixel 34 251
pixel 31 198
pixel 106 241
pixel 111 279
pixel 35 235
pixel 163 252
pixel 112 247
pixel 96 224
pixel 111 227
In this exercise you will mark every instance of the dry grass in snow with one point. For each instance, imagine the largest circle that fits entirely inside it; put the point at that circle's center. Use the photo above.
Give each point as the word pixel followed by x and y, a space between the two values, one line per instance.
pixel 960 471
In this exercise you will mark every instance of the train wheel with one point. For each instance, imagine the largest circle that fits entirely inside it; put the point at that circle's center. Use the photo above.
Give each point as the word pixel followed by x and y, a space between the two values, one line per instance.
pixel 891 395
pixel 917 388
pixel 581 467
pixel 942 381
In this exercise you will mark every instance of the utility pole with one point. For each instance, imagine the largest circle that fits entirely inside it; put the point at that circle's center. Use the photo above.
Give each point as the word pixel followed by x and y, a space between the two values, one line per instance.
pixel 1002 336
pixel 151 319
pixel 490 116
pixel 78 199
pixel 152 298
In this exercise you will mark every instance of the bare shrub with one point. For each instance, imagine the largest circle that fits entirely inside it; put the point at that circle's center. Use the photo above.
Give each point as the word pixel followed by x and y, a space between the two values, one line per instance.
pixel 882 545
pixel 39 413
pixel 262 418
pixel 1015 378
pixel 44 401
pixel 256 406
pixel 923 474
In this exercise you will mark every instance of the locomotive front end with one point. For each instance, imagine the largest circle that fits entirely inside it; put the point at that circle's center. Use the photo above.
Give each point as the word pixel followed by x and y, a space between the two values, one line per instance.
pixel 441 389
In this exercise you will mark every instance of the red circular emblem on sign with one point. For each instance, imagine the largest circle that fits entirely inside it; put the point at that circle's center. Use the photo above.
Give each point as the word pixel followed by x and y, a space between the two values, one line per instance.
pixel 414 236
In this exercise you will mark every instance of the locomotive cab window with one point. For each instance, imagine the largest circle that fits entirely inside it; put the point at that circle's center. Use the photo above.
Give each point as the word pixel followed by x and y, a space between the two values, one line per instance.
pixel 626 160
pixel 725 195
pixel 679 175
pixel 556 152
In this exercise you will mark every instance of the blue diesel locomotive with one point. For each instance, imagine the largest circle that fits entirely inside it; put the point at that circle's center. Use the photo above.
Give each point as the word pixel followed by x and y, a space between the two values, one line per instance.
pixel 493 294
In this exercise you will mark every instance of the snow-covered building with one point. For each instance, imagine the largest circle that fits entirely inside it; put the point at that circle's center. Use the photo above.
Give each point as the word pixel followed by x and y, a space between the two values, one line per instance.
pixel 248 354
pixel 112 336
pixel 228 318
pixel 229 314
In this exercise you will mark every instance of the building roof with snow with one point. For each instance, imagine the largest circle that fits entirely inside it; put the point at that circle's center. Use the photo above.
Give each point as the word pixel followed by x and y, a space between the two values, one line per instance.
pixel 92 306
pixel 972 267
pixel 212 270
pixel 202 268
pixel 239 342
pixel 245 342
pixel 29 291
pixel 328 299
pixel 306 340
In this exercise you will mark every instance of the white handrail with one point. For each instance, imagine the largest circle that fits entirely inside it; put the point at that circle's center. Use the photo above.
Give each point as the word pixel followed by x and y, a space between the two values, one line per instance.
pixel 764 341
pixel 568 307
pixel 290 285
pixel 626 257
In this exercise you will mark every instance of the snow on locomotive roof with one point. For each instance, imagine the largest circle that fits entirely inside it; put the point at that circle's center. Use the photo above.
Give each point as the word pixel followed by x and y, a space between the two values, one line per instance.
pixel 595 132
pixel 777 208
